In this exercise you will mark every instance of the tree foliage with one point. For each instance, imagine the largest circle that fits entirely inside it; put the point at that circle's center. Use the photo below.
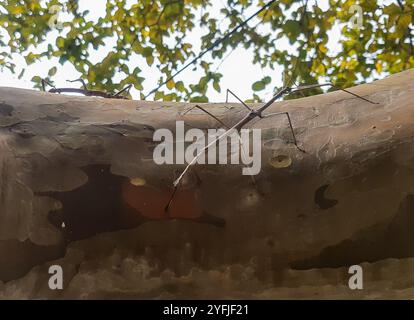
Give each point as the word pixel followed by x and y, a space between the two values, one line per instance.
pixel 156 30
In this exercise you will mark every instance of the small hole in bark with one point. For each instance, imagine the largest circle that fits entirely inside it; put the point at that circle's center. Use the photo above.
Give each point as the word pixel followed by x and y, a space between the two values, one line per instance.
pixel 137 181
pixel 270 242
pixel 280 161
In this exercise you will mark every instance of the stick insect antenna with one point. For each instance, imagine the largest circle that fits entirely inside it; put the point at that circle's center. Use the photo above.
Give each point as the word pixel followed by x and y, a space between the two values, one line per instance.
pixel 126 89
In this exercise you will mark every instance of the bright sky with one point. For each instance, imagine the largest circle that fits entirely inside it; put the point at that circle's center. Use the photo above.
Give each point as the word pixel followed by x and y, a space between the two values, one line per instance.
pixel 237 69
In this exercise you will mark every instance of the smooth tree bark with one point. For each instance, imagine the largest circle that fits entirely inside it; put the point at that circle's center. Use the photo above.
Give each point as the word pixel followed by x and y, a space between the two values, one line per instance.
pixel 73 167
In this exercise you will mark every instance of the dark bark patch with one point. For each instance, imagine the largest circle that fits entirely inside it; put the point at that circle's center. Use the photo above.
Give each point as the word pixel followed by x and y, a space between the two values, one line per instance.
pixel 6 110
pixel 395 240
pixel 24 130
pixel 61 117
pixel 94 207
pixel 18 257
pixel 100 205
pixel 320 199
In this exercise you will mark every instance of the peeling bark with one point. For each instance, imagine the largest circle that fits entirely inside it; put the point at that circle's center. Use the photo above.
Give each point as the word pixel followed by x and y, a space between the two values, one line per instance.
pixel 73 167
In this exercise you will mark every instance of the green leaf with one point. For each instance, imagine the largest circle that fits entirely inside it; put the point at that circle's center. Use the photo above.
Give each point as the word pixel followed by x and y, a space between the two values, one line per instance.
pixel 156 32
pixel 216 86
pixel 266 80
pixel 258 86
pixel 180 86
pixel 201 99
pixel 147 52
pixel 158 95
pixel 150 60
pixel 60 42
pixel 170 84
pixel 392 9
pixel 52 72
pixel 36 79
pixel 292 29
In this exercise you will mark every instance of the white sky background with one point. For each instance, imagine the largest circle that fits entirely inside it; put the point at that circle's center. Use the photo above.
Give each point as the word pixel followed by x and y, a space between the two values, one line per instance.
pixel 238 71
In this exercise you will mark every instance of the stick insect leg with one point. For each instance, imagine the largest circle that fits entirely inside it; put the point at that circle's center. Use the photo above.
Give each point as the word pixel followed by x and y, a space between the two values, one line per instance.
pixel 44 83
pixel 198 178
pixel 207 112
pixel 81 81
pixel 167 207
pixel 251 176
pixel 187 111
pixel 176 186
pixel 297 85
pixel 356 95
pixel 212 115
pixel 241 101
pixel 290 126
pixel 227 127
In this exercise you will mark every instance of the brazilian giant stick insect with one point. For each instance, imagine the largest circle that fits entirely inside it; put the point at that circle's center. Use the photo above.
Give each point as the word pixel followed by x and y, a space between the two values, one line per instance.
pixel 252 114
pixel 85 91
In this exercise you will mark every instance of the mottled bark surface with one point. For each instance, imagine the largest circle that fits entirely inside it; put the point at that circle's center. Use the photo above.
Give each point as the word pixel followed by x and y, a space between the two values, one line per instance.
pixel 79 188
